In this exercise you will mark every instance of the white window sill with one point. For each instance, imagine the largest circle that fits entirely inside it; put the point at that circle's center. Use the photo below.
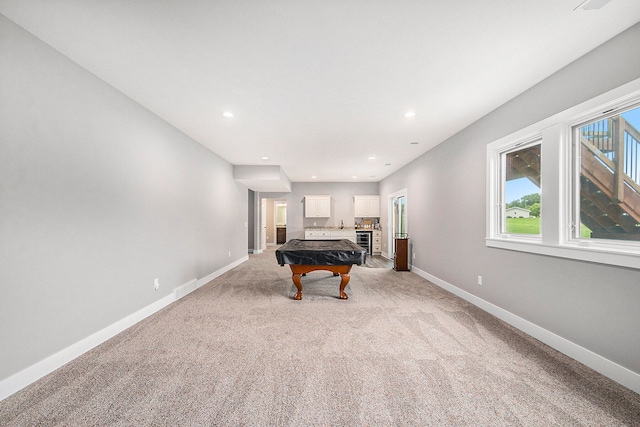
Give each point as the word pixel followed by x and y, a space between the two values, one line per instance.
pixel 581 251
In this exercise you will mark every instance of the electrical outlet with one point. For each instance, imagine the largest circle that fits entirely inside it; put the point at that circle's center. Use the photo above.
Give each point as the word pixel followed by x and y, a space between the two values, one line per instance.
pixel 229 253
pixel 156 284
pixel 414 255
pixel 480 280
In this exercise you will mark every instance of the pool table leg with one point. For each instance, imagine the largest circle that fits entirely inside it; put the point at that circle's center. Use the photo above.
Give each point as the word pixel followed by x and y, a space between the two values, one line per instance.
pixel 344 281
pixel 296 281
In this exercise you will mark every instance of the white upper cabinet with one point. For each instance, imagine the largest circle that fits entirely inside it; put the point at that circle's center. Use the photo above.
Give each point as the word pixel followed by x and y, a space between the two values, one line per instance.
pixel 367 206
pixel 317 206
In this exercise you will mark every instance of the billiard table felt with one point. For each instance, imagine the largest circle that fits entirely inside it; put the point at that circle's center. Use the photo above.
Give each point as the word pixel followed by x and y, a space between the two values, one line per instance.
pixel 321 252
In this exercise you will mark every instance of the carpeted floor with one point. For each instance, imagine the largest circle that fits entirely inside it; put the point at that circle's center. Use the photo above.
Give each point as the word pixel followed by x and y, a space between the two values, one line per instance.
pixel 399 352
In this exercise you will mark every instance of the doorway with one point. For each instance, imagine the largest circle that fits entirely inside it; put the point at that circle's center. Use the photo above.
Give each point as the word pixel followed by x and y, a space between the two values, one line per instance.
pixel 280 216
pixel 274 221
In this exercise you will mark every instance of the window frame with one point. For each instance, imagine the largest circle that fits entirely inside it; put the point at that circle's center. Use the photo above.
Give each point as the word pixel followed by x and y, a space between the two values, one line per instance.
pixel 576 164
pixel 559 166
pixel 501 203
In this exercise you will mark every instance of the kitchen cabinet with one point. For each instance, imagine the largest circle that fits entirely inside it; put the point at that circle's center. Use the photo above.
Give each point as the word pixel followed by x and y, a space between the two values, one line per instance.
pixel 343 234
pixel 317 234
pixel 329 234
pixel 376 243
pixel 367 206
pixel 317 206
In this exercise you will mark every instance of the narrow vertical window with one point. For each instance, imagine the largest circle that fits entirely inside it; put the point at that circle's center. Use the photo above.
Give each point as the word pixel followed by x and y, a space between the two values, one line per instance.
pixel 521 189
pixel 608 205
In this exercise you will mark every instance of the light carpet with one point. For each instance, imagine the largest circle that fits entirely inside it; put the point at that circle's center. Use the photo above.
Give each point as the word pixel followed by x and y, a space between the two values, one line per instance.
pixel 399 352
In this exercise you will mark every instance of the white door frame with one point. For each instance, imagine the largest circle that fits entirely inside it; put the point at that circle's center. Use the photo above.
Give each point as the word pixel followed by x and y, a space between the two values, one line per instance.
pixel 263 224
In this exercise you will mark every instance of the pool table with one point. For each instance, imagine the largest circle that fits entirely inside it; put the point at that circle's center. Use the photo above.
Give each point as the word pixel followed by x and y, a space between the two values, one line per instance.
pixel 336 256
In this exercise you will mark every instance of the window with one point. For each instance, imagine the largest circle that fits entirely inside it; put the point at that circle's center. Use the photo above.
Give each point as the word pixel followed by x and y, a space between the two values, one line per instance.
pixel 608 149
pixel 521 189
pixel 586 162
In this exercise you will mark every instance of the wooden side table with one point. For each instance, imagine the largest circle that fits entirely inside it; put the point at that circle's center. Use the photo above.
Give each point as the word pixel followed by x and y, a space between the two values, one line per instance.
pixel 401 258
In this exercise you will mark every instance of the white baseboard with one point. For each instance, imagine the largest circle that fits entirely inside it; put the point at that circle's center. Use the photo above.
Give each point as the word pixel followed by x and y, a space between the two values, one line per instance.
pixel 220 272
pixel 606 367
pixel 38 370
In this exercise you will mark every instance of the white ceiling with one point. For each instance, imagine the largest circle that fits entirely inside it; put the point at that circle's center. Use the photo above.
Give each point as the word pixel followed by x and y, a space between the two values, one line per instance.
pixel 321 86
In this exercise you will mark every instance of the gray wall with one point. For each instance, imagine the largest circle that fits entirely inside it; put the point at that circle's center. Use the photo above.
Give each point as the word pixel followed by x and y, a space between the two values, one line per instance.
pixel 342 205
pixel 594 306
pixel 98 197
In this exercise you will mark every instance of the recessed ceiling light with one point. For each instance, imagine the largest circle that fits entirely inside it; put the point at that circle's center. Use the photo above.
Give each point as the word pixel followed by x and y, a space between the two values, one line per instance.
pixel 372 157
pixel 313 177
pixel 227 114
pixel 410 114
pixel 265 158
pixel 354 177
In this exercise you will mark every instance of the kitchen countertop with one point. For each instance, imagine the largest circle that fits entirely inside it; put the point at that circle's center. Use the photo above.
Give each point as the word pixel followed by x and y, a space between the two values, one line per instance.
pixel 338 228
pixel 330 228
